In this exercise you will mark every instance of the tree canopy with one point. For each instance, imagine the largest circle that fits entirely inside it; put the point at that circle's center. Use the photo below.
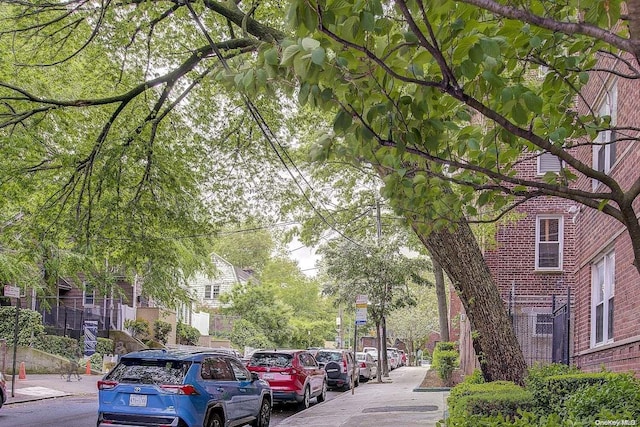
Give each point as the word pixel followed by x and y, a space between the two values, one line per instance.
pixel 126 127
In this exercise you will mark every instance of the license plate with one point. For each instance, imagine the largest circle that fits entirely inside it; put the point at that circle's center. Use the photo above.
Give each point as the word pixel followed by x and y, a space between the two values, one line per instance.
pixel 137 400
pixel 268 376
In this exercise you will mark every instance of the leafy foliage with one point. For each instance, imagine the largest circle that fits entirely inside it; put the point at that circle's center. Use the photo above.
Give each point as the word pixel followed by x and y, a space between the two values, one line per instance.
pixel 161 331
pixel 30 329
pixel 187 334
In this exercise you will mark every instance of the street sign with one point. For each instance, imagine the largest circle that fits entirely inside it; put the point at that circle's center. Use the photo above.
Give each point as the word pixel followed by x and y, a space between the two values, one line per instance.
pixel 361 309
pixel 11 291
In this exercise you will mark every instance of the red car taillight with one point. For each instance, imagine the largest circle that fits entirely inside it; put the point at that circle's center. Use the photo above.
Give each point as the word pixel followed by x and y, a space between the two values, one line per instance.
pixel 186 389
pixel 363 364
pixel 106 384
pixel 344 365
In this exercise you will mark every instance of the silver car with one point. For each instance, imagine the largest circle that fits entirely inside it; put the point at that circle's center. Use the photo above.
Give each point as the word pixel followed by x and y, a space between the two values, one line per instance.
pixel 367 365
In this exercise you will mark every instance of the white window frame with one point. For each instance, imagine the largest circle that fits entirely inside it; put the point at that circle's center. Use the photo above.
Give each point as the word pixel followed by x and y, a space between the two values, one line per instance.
pixel 546 155
pixel 560 241
pixel 608 106
pixel 213 291
pixel 88 296
pixel 602 293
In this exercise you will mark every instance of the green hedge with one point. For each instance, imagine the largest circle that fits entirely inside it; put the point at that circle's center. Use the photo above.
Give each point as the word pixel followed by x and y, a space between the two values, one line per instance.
pixel 30 329
pixel 617 398
pixel 498 401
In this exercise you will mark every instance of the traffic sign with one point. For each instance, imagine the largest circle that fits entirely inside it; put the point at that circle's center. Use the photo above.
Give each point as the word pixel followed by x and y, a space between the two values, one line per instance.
pixel 361 309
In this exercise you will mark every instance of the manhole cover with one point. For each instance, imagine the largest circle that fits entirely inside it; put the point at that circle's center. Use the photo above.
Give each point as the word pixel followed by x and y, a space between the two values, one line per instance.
pixel 424 408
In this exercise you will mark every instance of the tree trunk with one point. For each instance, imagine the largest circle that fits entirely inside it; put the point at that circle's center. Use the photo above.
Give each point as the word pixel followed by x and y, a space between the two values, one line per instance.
pixel 383 347
pixel 494 340
pixel 441 295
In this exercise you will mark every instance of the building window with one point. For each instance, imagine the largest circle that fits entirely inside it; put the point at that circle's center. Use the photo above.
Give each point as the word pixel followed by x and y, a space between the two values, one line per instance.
pixel 604 148
pixel 549 242
pixel 603 278
pixel 88 295
pixel 544 324
pixel 212 291
pixel 547 162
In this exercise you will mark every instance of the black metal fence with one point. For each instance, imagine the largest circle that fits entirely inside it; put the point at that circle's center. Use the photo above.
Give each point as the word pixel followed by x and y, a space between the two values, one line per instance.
pixel 542 325
pixel 69 320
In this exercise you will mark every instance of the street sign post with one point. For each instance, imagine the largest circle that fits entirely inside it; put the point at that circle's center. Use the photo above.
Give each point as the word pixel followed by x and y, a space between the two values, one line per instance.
pixel 361 309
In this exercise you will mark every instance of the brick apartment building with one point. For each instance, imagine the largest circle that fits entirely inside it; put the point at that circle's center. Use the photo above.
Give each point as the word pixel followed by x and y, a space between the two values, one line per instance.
pixel 607 322
pixel 555 251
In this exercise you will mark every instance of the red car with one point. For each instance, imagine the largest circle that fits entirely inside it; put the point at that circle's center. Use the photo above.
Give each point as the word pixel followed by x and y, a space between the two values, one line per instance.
pixel 294 375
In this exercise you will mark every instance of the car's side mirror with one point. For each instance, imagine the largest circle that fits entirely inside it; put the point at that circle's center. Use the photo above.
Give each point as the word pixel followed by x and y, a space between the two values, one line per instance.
pixel 254 376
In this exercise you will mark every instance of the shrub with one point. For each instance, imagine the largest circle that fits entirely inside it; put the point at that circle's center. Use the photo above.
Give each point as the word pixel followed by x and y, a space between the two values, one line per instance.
pixel 187 334
pixel 474 404
pixel 617 398
pixel 445 360
pixel 59 345
pixel 138 329
pixel 161 330
pixel 105 346
pixel 536 383
pixel 560 387
pixel 30 329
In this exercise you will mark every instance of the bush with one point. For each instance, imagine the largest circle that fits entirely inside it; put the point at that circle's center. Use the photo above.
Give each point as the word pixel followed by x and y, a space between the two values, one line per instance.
pixel 59 345
pixel 161 330
pixel 105 346
pixel 617 398
pixel 30 329
pixel 445 360
pixel 560 387
pixel 138 329
pixel 187 334
pixel 472 404
pixel 536 383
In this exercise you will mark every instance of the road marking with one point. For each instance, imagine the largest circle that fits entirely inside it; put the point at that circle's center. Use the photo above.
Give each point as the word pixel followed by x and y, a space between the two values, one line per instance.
pixel 41 392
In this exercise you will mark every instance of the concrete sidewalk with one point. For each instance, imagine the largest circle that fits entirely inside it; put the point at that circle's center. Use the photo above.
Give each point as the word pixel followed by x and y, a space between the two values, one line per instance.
pixel 395 402
pixel 47 386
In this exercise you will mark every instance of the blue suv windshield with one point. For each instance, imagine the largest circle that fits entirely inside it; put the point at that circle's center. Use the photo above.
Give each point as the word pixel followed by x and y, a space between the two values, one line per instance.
pixel 142 371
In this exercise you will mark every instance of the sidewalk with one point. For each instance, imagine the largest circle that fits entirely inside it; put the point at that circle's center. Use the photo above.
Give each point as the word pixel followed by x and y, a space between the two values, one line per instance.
pixel 389 404
pixel 47 386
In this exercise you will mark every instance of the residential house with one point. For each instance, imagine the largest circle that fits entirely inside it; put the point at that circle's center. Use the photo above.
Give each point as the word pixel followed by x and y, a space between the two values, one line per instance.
pixel 207 292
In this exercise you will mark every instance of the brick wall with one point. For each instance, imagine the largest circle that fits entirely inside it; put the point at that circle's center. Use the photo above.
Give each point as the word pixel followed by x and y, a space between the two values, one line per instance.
pixel 597 232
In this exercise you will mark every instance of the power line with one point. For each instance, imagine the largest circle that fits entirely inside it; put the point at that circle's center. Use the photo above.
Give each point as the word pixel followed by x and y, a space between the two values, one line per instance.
pixel 266 130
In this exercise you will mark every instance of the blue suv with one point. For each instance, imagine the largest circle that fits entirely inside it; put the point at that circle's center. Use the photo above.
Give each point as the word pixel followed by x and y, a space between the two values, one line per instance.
pixel 177 388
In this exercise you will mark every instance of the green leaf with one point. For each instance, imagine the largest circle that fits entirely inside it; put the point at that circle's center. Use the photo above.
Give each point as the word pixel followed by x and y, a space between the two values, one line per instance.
pixel 519 114
pixel 271 56
pixel 468 69
pixel 310 44
pixel 476 54
pixel 367 21
pixel 490 47
pixel 289 53
pixel 533 102
pixel 342 122
pixel 318 55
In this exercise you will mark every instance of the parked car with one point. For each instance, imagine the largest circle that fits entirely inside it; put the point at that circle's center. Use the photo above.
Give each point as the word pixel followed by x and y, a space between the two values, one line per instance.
pixel 339 365
pixel 403 357
pixel 367 366
pixel 392 356
pixel 182 388
pixel 3 390
pixel 294 375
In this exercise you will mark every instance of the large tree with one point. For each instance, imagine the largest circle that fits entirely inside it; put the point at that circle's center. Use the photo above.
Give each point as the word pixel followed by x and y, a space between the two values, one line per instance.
pixel 120 106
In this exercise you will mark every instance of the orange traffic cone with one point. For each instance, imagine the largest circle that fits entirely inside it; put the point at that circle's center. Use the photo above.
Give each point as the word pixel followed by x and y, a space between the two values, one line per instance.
pixel 22 374
pixel 88 370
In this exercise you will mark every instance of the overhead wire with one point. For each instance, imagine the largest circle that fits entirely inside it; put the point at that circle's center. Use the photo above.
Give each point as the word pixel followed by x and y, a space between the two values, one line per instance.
pixel 268 134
